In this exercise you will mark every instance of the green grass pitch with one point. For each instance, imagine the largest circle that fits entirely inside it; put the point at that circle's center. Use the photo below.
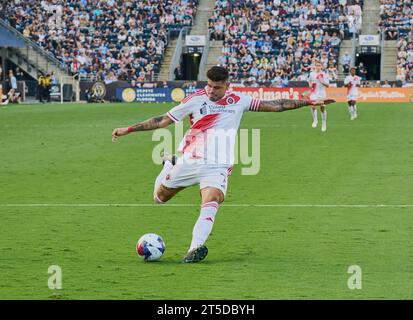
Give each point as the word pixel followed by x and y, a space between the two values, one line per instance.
pixel 63 154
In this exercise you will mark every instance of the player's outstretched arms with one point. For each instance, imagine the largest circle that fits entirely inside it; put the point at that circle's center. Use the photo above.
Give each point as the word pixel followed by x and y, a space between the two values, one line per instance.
pixel 150 124
pixel 287 104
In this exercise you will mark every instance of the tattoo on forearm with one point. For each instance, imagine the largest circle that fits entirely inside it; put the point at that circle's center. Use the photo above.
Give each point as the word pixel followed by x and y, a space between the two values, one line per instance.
pixel 283 105
pixel 150 124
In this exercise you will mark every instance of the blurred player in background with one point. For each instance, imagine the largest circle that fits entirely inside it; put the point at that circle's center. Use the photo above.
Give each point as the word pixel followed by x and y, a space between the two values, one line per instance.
pixel 214 113
pixel 352 82
pixel 318 81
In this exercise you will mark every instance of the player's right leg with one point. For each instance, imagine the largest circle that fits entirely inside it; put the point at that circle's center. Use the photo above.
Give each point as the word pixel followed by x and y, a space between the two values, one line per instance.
pixel 314 97
pixel 314 114
pixel 350 108
pixel 213 185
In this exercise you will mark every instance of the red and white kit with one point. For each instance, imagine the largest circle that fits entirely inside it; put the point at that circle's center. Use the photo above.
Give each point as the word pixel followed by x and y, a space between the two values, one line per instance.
pixel 318 91
pixel 352 90
pixel 208 147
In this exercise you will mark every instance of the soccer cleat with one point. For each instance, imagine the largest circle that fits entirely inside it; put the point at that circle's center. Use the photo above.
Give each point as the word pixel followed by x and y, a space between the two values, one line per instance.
pixel 315 123
pixel 168 157
pixel 324 127
pixel 196 255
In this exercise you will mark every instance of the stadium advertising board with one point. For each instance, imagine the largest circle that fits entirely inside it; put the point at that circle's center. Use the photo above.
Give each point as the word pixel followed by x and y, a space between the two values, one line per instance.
pixel 263 93
pixel 339 94
pixel 152 94
pixel 193 40
pixel 374 94
pixel 144 94
pixel 369 40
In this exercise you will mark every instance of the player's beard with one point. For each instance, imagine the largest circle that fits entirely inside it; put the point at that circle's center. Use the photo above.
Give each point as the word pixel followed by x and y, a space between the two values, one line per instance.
pixel 214 98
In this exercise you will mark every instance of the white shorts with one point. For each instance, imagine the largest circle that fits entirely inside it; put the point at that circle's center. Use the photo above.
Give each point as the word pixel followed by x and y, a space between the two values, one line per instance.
pixel 351 97
pixel 315 96
pixel 206 175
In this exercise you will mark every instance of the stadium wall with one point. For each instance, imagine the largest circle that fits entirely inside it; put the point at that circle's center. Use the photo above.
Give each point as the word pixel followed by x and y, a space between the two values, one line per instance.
pixel 171 94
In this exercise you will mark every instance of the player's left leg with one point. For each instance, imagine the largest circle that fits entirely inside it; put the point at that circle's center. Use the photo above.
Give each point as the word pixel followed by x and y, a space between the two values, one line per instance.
pixel 211 199
pixel 323 118
pixel 354 109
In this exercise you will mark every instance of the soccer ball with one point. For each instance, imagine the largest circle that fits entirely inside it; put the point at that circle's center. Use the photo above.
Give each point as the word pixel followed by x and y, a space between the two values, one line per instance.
pixel 150 247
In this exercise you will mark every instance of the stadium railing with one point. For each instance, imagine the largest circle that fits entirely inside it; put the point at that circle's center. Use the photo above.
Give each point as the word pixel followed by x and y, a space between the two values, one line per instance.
pixel 202 63
pixel 176 59
pixel 33 45
pixel 382 39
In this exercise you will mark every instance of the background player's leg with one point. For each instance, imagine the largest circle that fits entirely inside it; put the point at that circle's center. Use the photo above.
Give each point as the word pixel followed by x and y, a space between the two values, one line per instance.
pixel 351 109
pixel 314 114
pixel 211 199
pixel 323 118
pixel 354 109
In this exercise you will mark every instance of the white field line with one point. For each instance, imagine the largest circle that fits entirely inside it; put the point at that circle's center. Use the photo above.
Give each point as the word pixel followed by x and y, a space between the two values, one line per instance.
pixel 98 205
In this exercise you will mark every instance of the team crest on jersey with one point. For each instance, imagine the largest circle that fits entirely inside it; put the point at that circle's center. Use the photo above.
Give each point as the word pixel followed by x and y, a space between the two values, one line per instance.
pixel 230 100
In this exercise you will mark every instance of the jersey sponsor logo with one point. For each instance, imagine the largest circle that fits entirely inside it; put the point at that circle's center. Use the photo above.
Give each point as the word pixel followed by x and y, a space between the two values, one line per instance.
pixel 219 109
pixel 203 110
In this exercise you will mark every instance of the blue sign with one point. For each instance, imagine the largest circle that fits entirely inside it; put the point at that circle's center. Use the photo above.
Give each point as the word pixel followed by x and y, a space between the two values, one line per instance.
pixel 169 94
pixel 144 94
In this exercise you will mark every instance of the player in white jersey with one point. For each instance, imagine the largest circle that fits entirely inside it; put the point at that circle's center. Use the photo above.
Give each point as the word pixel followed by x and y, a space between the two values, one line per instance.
pixel 215 114
pixel 352 82
pixel 319 81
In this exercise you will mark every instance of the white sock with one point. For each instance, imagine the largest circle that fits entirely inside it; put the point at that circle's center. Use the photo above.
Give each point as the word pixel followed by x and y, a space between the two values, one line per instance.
pixel 314 113
pixel 351 110
pixel 166 169
pixel 204 224
pixel 355 109
pixel 324 116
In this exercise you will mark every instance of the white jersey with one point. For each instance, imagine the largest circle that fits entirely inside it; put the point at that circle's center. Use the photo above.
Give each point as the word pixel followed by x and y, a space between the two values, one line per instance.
pixel 318 91
pixel 351 83
pixel 214 125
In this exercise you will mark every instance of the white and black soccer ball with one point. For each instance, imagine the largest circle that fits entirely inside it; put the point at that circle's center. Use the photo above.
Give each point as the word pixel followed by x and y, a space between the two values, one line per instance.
pixel 150 247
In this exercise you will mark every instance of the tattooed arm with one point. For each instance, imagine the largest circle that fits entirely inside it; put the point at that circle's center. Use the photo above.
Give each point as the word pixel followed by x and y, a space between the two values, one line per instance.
pixel 150 124
pixel 287 104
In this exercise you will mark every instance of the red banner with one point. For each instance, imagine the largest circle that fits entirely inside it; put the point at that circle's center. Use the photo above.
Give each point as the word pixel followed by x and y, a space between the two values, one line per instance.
pixel 338 94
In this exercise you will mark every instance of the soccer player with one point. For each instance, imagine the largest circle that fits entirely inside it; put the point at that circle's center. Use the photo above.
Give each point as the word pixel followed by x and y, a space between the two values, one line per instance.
pixel 318 81
pixel 215 114
pixel 352 82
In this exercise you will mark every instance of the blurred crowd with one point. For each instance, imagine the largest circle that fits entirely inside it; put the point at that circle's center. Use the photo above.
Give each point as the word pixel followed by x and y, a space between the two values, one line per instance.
pixel 396 20
pixel 106 39
pixel 276 40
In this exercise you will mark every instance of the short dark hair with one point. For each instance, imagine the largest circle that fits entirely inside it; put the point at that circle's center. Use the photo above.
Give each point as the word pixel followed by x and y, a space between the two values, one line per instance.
pixel 217 73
